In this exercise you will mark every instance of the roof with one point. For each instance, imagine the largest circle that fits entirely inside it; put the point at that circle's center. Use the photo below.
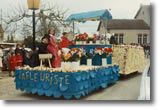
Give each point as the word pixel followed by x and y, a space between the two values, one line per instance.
pixel 141 7
pixel 90 16
pixel 125 24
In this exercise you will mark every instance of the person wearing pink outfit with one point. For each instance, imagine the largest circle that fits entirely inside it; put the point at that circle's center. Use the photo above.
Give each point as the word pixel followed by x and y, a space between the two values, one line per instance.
pixel 53 49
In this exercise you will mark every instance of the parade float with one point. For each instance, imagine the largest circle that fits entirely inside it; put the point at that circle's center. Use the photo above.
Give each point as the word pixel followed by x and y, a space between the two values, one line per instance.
pixel 71 80
pixel 129 58
pixel 84 68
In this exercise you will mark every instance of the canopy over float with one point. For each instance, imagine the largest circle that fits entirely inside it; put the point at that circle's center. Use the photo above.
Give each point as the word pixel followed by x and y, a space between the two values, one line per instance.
pixel 98 15
pixel 90 16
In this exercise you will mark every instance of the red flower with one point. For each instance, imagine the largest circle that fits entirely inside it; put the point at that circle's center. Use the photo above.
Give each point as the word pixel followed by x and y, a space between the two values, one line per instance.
pixel 80 35
pixel 99 48
pixel 110 50
pixel 82 38
pixel 85 34
pixel 106 49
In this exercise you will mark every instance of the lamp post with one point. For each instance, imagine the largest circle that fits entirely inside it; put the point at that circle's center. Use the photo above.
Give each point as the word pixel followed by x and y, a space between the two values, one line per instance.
pixel 33 5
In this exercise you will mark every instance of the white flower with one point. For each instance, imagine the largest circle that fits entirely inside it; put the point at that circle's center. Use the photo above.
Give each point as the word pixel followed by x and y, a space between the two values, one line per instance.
pixel 65 50
pixel 91 36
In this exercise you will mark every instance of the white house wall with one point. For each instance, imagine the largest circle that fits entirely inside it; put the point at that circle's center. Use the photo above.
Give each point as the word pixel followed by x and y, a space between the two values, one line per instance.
pixel 131 36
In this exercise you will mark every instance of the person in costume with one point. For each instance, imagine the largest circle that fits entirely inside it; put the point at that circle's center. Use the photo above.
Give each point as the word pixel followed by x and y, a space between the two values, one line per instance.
pixel 65 41
pixel 19 59
pixel 53 49
pixel 13 63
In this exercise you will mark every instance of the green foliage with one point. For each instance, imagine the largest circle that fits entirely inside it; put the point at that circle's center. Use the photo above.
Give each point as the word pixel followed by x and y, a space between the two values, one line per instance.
pixel 105 54
pixel 89 55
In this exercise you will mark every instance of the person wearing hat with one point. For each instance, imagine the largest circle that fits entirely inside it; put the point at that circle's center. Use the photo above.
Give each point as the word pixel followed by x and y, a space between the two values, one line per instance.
pixel 65 41
pixel 43 45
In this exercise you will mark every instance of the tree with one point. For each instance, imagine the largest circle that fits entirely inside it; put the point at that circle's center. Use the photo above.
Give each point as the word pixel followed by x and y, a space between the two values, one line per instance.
pixel 28 42
pixel 48 16
pixel 10 39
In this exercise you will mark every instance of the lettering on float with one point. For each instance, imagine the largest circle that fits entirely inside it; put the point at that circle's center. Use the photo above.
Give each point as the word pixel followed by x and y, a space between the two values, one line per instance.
pixel 51 78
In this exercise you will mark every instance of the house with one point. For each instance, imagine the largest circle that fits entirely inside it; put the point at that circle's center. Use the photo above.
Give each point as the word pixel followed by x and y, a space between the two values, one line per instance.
pixel 1 33
pixel 127 31
pixel 144 13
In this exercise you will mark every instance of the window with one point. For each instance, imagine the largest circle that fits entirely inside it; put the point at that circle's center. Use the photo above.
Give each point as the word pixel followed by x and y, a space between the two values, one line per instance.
pixel 144 38
pixel 121 39
pixel 139 38
pixel 116 38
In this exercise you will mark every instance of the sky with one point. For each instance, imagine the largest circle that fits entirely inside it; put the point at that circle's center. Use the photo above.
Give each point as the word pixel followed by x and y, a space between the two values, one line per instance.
pixel 120 9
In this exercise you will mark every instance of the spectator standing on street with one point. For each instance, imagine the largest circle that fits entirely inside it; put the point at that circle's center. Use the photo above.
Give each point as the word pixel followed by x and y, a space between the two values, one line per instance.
pixel 34 58
pixel 7 58
pixel 113 40
pixel 18 49
pixel 13 64
pixel 26 60
pixel 19 59
pixel 148 50
pixel 1 55
pixel 23 50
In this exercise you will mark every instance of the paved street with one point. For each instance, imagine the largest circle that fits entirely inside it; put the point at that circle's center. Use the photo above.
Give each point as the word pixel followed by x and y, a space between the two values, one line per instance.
pixel 127 88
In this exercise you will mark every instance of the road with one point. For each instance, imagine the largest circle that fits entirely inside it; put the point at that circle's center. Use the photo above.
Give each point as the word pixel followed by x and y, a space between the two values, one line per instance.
pixel 127 88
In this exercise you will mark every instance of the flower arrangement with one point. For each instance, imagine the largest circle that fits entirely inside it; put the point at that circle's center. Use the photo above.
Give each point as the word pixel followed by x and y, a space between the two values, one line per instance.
pixel 104 52
pixel 96 36
pixel 91 38
pixel 89 55
pixel 69 55
pixel 81 37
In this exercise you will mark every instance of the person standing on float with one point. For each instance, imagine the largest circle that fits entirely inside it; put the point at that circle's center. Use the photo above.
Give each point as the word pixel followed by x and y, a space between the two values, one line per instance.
pixel 53 49
pixel 65 41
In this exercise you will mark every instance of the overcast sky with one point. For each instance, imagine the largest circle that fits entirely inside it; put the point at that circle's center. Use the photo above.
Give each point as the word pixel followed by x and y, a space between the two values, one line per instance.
pixel 120 9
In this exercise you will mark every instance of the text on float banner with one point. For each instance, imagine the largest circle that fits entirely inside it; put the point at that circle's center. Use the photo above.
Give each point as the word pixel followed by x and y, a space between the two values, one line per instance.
pixel 51 78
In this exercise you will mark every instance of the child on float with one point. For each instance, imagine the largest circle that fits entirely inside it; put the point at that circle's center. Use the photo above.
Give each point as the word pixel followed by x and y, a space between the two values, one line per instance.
pixel 64 43
pixel 13 64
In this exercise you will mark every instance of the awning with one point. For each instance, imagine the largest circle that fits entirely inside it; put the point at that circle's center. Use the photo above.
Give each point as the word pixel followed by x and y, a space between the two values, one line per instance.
pixel 90 16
